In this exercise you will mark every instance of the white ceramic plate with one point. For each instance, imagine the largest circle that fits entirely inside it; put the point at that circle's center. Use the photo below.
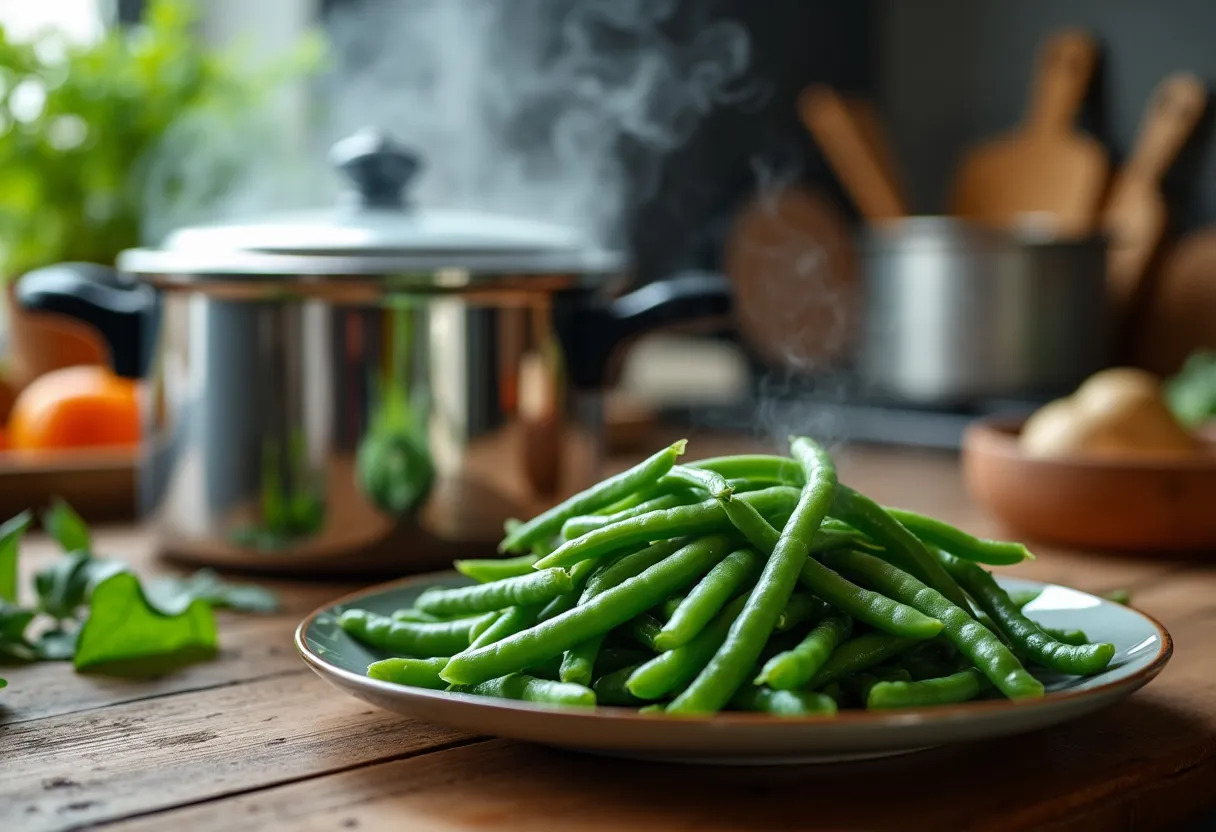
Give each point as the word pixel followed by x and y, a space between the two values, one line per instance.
pixel 1142 649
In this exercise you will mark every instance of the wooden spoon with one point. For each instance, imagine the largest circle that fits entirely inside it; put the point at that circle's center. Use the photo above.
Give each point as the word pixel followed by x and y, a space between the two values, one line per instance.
pixel 1135 214
pixel 1045 167
pixel 849 144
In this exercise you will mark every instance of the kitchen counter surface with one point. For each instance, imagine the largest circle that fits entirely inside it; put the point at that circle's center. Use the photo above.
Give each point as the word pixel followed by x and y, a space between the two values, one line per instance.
pixel 254 740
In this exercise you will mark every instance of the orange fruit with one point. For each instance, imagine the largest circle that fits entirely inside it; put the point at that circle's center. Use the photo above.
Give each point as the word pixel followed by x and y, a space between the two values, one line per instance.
pixel 75 407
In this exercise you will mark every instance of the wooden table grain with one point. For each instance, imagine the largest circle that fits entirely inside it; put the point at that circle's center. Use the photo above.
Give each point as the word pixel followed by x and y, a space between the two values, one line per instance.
pixel 254 741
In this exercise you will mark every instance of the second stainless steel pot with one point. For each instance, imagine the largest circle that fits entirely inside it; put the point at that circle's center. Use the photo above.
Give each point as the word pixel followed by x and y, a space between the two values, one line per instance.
pixel 956 313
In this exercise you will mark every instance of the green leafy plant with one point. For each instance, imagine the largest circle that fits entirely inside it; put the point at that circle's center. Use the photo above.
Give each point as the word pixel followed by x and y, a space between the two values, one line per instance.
pixel 83 129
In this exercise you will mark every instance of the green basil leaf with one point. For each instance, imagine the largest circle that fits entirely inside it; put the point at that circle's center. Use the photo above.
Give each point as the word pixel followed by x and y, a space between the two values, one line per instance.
pixel 13 622
pixel 63 587
pixel 174 594
pixel 3 683
pixel 10 541
pixel 67 527
pixel 125 635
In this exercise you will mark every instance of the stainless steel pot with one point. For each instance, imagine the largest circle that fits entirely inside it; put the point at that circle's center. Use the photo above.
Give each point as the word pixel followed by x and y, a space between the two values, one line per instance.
pixel 957 313
pixel 375 387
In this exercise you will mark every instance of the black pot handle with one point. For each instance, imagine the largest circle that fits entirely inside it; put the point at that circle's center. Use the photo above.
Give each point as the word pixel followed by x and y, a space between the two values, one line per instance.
pixel 124 313
pixel 592 333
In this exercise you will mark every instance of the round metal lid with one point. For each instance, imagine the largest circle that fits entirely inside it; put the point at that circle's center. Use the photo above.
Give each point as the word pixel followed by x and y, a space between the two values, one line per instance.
pixel 375 229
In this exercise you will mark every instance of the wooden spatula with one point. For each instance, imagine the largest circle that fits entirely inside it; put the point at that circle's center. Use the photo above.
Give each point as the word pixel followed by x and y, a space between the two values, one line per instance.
pixel 849 145
pixel 1045 167
pixel 1135 214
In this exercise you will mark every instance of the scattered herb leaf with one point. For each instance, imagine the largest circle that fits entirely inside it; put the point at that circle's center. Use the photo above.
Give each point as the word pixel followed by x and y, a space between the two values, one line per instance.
pixel 10 539
pixel 174 594
pixel 58 645
pixel 67 527
pixel 13 622
pixel 125 635
pixel 63 586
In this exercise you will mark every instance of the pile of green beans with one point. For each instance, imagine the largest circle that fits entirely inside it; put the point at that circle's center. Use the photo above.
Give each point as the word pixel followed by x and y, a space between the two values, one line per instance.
pixel 747 583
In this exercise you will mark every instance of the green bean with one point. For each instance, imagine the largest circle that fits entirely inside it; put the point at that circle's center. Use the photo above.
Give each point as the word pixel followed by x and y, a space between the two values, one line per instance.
pixel 987 652
pixel 512 620
pixel 794 668
pixel 957 687
pixel 482 624
pixel 711 481
pixel 629 566
pixel 728 669
pixel 859 653
pixel 578 663
pixel 860 684
pixel 549 669
pixel 539 587
pixel 700 518
pixel 531 689
pixel 1083 660
pixel 415 616
pixel 833 691
pixel 602 613
pixel 859 604
pixel 1074 637
pixel 580 573
pixel 610 688
pixel 485 570
pixel 418 673
pixel 958 543
pixel 645 630
pixel 867 516
pixel 707 598
pixel 670 671
pixel 548 523
pixel 422 640
pixel 584 523
pixel 921 664
pixel 773 468
pixel 668 608
pixel 1022 597
pixel 784 702
pixel 802 607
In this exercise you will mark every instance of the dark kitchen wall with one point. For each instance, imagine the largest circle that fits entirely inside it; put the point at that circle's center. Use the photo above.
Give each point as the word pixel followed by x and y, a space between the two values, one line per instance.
pixel 951 72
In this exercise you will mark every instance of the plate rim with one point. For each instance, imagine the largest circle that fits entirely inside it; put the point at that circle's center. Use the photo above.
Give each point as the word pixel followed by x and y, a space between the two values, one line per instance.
pixel 846 718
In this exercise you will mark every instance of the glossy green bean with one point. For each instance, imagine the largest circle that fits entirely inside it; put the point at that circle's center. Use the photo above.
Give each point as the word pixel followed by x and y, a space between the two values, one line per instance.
pixel 531 689
pixel 860 684
pixel 539 587
pixel 415 616
pixel 706 517
pixel 602 613
pixel 580 574
pixel 418 673
pixel 783 702
pixel 705 600
pixel 548 523
pixel 485 570
pixel 511 620
pixel 711 481
pixel 860 653
pixel 670 671
pixel 730 666
pixel 1075 637
pixel 645 630
pixel 957 687
pixel 584 523
pixel 782 469
pixel 610 689
pixel 615 573
pixel 958 543
pixel 421 640
pixel 987 652
pixel 794 668
pixel 667 609
pixel 578 663
pixel 1022 597
pixel 1042 649
pixel 869 517
pixel 859 604
pixel 802 607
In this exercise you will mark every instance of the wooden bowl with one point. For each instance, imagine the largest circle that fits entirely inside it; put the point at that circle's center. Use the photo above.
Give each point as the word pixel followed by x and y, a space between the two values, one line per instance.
pixel 1130 504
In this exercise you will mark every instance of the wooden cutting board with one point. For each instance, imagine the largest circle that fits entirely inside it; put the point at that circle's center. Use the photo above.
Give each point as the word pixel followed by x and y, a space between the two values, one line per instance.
pixel 793 267
pixel 1182 314
pixel 1046 167
pixel 1135 215
pixel 851 139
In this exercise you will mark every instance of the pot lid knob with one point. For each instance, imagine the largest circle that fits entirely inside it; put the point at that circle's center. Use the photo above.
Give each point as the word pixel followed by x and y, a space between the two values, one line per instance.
pixel 377 167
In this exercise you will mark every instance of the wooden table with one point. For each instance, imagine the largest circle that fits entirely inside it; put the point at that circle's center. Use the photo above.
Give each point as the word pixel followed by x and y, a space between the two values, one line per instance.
pixel 255 741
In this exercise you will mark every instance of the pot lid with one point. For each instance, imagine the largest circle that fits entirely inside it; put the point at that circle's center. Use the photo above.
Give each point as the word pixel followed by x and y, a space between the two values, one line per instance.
pixel 375 228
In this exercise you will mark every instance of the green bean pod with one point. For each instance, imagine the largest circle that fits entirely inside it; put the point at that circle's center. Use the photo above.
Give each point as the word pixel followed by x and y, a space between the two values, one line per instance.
pixel 414 616
pixel 772 468
pixel 418 673
pixel 610 689
pixel 802 607
pixel 531 689
pixel 548 523
pixel 987 652
pixel 602 613
pixel 421 640
pixel 584 523
pixel 629 566
pixel 539 587
pixel 730 666
pixel 792 669
pixel 860 653
pixel 1082 660
pixel 957 687
pixel 958 543
pixel 707 598
pixel 580 574
pixel 1074 637
pixel 510 621
pixel 711 481
pixel 670 671
pixel 784 702
pixel 860 684
pixel 578 663
pixel 645 629
pixel 867 516
pixel 486 570
pixel 702 518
